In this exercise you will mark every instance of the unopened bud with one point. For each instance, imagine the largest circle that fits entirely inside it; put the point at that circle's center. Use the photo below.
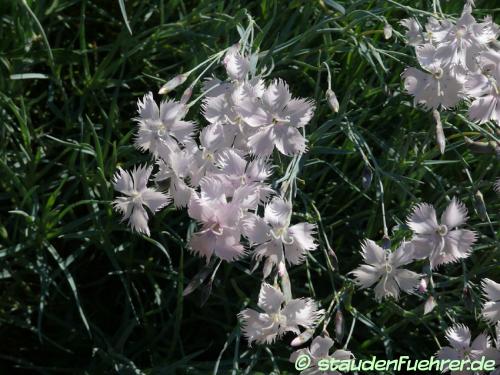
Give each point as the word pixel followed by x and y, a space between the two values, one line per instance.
pixel 480 205
pixel 387 31
pixel 332 100
pixel 429 305
pixel 302 338
pixel 187 94
pixel 173 83
pixel 339 326
pixel 366 178
pixel 422 286
pixel 441 140
pixel 281 269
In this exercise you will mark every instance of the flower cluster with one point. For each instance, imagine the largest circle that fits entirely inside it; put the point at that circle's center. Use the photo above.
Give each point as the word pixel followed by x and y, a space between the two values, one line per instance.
pixel 457 62
pixel 221 175
pixel 439 242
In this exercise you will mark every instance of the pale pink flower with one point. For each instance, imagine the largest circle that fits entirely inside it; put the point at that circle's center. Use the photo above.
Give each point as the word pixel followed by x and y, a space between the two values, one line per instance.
pixel 414 32
pixel 461 43
pixel 277 316
pixel 137 195
pixel 440 242
pixel 277 240
pixel 278 119
pixel 461 348
pixel 236 171
pixel 491 308
pixel 485 89
pixel 175 168
pixel 436 86
pixel 161 128
pixel 384 268
pixel 220 218
pixel 318 350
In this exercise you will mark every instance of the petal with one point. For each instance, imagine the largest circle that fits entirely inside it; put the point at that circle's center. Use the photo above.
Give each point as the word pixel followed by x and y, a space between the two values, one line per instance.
pixel 236 65
pixel 491 312
pixel 481 342
pixel 448 353
pixel 203 244
pixel 458 336
pixel 154 200
pixel 140 177
pixel 228 246
pixel 258 327
pixel 366 276
pixel 277 95
pixel 320 346
pixel 122 182
pixel 277 212
pixel 262 142
pixel 407 280
pixel 387 287
pixel 372 253
pixel 252 113
pixel 300 112
pixel 302 235
pixel 301 312
pixel 423 219
pixel 288 140
pixel 231 163
pixel 138 220
pixel 255 229
pixel 148 109
pixel 403 255
pixel 454 215
pixel 270 298
pixel 491 289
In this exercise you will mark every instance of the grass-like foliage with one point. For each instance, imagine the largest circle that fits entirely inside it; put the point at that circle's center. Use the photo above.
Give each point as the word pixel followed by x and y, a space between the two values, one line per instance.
pixel 80 292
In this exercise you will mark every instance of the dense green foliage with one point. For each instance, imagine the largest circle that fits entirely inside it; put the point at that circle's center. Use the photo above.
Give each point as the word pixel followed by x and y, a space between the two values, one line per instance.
pixel 79 292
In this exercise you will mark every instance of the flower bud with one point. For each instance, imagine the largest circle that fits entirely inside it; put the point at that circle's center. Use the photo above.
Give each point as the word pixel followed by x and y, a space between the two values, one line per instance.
pixel 332 100
pixel 429 305
pixel 422 286
pixel 387 31
pixel 339 326
pixel 302 338
pixel 441 140
pixel 173 83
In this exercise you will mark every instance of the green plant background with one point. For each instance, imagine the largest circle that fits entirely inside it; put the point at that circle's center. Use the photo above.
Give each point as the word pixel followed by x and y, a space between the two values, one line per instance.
pixel 80 293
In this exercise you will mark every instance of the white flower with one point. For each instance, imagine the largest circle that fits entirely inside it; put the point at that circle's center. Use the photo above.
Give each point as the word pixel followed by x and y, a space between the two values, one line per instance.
pixel 435 87
pixel 137 195
pixel 278 118
pixel 220 219
pixel 384 267
pixel 277 317
pixel 213 140
pixel 278 240
pixel 461 347
pixel 414 32
pixel 387 31
pixel 333 102
pixel 491 308
pixel 319 349
pixel 440 242
pixel 237 66
pixel 459 44
pixel 161 128
pixel 176 168
pixel 237 172
pixel 485 89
